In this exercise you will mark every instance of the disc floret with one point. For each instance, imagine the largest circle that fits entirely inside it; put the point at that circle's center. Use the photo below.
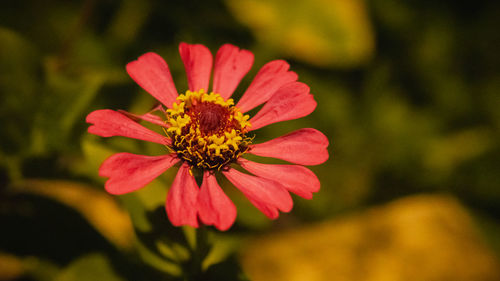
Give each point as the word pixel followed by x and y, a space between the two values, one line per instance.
pixel 207 131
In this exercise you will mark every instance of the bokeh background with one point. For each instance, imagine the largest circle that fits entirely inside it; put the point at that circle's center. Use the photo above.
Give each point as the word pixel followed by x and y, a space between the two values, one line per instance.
pixel 407 92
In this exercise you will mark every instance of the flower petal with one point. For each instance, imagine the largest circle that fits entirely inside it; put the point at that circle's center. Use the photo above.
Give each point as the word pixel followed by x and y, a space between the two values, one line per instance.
pixel 295 178
pixel 268 210
pixel 181 204
pixel 291 101
pixel 263 193
pixel 198 64
pixel 214 207
pixel 305 147
pixel 151 72
pixel 268 80
pixel 109 123
pixel 231 64
pixel 149 117
pixel 128 172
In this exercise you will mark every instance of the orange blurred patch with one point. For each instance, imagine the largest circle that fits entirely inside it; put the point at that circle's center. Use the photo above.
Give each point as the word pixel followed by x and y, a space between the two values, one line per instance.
pixel 425 237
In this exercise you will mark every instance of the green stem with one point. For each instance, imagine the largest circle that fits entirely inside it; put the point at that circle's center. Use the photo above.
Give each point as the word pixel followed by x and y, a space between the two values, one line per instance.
pixel 194 269
pixel 199 253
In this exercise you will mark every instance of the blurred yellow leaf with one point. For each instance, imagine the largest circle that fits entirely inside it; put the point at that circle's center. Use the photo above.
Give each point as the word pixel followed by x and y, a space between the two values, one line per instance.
pixel 320 32
pixel 99 208
pixel 425 237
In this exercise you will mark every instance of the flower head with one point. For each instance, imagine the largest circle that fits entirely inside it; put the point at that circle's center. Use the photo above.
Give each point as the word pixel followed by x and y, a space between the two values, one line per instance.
pixel 207 131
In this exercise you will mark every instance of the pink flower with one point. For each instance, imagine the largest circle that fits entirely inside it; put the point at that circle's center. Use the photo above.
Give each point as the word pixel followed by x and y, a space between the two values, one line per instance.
pixel 206 131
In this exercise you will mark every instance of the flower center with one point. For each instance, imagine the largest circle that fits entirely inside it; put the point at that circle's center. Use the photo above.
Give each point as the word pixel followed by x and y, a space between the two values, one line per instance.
pixel 211 117
pixel 207 131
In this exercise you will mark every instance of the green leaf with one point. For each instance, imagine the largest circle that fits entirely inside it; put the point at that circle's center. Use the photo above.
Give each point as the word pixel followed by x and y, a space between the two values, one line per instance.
pixel 64 101
pixel 19 90
pixel 90 267
pixel 127 22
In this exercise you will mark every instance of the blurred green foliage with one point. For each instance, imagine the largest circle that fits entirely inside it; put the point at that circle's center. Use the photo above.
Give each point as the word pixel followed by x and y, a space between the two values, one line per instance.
pixel 407 91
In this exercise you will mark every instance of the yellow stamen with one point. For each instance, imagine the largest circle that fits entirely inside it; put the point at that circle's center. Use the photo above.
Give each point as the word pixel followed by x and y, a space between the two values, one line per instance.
pixel 242 119
pixel 177 108
pixel 178 124
pixel 212 148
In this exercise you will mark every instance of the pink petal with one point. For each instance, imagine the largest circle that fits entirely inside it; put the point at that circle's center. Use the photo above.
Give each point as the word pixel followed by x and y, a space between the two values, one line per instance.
pixel 128 172
pixel 296 179
pixel 198 63
pixel 214 207
pixel 268 210
pixel 182 198
pixel 305 147
pixel 291 101
pixel 109 123
pixel 270 78
pixel 231 64
pixel 151 72
pixel 263 193
pixel 149 117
